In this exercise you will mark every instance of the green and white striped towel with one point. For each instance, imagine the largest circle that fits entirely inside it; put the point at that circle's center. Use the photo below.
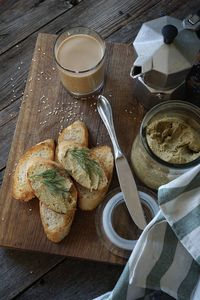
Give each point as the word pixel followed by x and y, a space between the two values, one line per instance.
pixel 167 255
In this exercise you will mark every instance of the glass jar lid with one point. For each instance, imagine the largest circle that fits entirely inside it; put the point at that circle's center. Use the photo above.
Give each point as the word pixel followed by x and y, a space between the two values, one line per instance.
pixel 114 225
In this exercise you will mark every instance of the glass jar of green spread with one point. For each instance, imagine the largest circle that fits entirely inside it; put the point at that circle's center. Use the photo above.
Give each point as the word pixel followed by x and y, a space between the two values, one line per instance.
pixel 168 143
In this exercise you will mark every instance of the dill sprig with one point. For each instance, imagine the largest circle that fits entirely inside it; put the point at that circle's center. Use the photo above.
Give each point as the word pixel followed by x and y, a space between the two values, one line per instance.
pixel 90 166
pixel 54 181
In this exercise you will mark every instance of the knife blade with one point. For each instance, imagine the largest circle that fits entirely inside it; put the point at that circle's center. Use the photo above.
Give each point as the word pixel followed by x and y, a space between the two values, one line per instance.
pixel 125 176
pixel 129 189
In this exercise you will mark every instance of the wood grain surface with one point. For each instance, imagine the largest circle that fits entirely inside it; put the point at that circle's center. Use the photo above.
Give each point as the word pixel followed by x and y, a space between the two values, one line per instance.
pixel 46 109
pixel 21 276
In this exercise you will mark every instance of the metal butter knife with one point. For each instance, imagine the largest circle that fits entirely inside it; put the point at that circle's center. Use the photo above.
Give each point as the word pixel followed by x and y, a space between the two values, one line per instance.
pixel 125 176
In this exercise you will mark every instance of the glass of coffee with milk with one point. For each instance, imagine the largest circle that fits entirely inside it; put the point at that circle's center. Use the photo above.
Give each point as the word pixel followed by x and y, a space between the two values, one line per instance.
pixel 80 58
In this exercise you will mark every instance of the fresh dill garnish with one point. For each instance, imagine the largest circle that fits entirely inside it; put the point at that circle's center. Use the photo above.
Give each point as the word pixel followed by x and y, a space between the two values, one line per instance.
pixel 90 166
pixel 54 181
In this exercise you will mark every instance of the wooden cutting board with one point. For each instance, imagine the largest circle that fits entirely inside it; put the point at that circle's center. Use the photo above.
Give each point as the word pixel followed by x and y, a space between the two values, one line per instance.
pixel 46 109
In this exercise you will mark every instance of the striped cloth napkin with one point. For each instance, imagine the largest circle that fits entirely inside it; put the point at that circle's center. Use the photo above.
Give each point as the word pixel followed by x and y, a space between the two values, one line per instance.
pixel 167 255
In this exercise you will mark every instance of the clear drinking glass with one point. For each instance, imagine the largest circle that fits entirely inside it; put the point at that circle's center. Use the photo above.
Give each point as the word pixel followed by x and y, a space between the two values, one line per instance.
pixel 80 57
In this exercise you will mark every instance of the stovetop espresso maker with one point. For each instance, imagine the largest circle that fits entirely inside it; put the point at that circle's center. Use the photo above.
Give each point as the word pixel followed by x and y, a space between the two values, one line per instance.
pixel 166 50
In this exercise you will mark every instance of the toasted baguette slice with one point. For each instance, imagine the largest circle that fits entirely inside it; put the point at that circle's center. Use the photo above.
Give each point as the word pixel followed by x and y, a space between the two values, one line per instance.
pixel 56 225
pixel 51 185
pixel 78 164
pixel 77 132
pixel 90 200
pixel 21 189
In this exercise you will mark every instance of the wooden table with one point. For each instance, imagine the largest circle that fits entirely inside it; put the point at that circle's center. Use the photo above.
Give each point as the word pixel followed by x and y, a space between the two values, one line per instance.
pixel 42 276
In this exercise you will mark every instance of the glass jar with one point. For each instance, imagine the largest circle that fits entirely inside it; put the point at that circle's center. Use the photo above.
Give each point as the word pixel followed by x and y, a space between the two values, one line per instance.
pixel 149 168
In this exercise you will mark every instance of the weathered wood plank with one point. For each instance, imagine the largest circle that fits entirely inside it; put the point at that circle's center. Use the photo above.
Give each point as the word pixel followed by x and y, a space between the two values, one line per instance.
pixel 10 112
pixel 8 119
pixel 19 270
pixel 20 19
pixel 178 9
pixel 1 175
pixel 74 280
pixel 15 63
pixel 6 135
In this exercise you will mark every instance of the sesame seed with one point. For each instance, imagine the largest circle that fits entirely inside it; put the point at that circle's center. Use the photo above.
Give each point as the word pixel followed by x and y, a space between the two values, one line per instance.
pixel 30 209
pixel 39 110
pixel 41 72
pixel 26 95
pixel 31 90
pixel 17 46
pixel 13 91
pixel 44 53
pixel 14 96
pixel 21 62
pixel 38 79
pixel 2 219
pixel 11 79
pixel 19 68
pixel 31 272
pixel 39 49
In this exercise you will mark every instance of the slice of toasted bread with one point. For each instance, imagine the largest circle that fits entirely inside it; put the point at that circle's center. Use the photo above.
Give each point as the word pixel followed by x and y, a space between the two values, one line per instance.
pixel 83 165
pixel 51 185
pixel 77 132
pixel 21 189
pixel 56 225
pixel 88 200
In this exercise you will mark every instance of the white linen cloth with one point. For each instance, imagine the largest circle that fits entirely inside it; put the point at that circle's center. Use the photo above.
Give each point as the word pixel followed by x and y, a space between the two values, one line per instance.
pixel 167 255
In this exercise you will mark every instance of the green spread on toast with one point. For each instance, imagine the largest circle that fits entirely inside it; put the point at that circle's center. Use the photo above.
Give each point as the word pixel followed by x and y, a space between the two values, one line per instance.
pixel 90 166
pixel 54 181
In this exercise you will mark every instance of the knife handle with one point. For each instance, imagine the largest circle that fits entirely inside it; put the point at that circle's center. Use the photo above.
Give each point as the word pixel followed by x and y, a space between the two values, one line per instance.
pixel 105 112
